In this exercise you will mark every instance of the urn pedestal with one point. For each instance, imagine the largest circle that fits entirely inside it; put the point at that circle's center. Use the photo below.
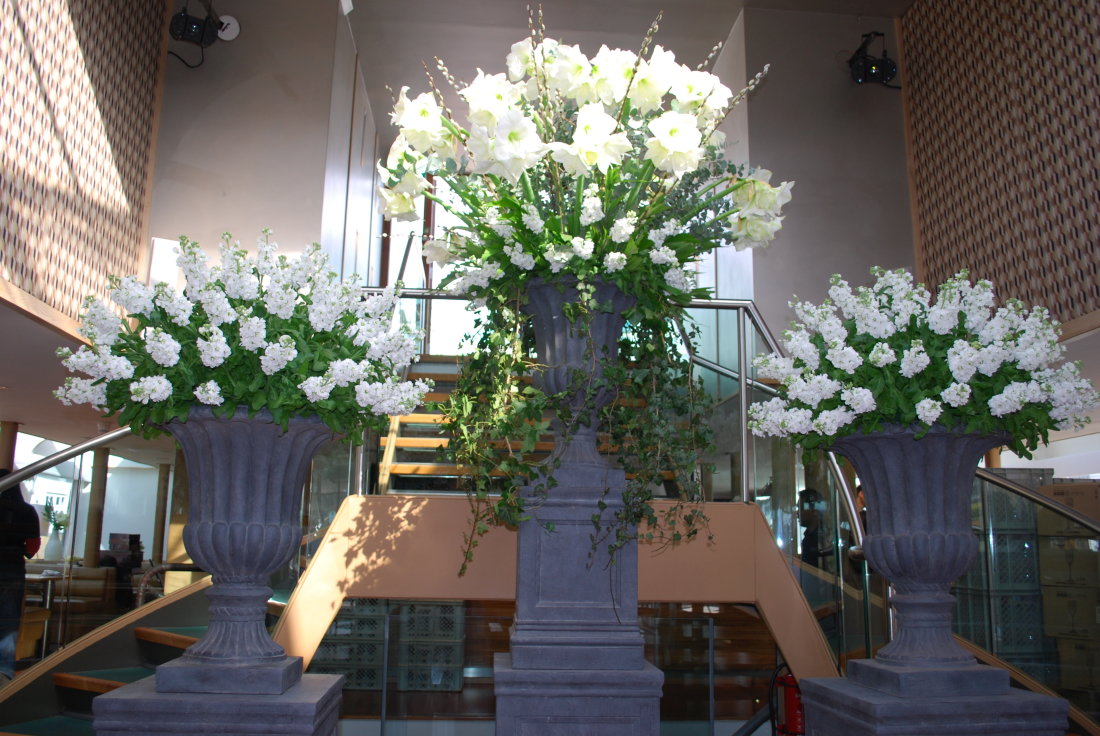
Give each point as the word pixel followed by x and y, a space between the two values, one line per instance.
pixel 920 539
pixel 246 477
pixel 577 662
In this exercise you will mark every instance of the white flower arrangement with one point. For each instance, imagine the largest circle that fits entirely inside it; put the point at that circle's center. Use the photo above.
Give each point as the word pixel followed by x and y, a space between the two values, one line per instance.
pixel 262 333
pixel 575 166
pixel 889 354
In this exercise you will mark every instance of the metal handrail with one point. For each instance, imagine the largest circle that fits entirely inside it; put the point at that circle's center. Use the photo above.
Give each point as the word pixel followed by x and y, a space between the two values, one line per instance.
pixel 1044 501
pixel 18 476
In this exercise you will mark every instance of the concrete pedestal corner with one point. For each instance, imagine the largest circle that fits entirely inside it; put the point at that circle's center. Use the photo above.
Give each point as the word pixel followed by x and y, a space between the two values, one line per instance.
pixel 576 702
pixel 309 708
pixel 841 707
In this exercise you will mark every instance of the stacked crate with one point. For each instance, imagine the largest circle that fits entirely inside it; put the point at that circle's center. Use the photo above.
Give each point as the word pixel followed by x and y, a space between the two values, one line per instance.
pixel 1069 556
pixel 431 645
pixel 354 644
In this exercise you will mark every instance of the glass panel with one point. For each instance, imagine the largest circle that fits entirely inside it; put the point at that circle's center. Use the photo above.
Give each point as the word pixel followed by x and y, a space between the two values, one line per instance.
pixel 706 321
pixel 417 660
pixel 1032 595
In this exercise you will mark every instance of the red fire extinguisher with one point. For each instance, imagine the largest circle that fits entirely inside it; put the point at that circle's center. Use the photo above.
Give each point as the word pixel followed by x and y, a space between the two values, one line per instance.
pixel 789 719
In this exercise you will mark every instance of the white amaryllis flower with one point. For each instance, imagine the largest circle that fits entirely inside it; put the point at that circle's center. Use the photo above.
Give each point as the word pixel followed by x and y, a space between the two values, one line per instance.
pixel 595 143
pixel 701 93
pixel 507 150
pixel 421 121
pixel 519 60
pixel 489 96
pixel 400 201
pixel 438 252
pixel 675 145
pixel 612 70
pixel 653 80
pixel 569 72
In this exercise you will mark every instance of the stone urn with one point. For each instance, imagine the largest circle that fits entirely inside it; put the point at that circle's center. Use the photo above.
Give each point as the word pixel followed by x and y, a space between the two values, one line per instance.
pixel 246 477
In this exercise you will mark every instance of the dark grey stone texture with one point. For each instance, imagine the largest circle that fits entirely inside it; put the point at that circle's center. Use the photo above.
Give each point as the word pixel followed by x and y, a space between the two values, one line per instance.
pixel 577 702
pixel 309 708
pixel 841 707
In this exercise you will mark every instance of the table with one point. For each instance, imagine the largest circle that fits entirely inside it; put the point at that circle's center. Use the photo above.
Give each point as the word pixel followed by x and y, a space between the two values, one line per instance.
pixel 45 584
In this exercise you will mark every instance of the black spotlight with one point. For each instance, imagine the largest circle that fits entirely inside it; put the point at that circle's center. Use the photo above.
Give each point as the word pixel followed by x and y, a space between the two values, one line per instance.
pixel 867 68
pixel 187 27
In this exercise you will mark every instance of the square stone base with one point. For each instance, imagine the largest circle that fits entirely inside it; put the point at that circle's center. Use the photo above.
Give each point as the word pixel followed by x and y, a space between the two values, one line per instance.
pixel 184 675
pixel 840 707
pixel 577 702
pixel 309 708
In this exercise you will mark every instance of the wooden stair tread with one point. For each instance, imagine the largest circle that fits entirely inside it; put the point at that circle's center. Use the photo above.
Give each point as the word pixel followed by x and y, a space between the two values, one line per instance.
pixel 421 418
pixel 50 726
pixel 180 637
pixel 101 681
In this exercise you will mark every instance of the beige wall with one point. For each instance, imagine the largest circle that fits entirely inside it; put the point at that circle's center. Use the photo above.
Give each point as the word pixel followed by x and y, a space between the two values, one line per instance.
pixel 243 137
pixel 843 144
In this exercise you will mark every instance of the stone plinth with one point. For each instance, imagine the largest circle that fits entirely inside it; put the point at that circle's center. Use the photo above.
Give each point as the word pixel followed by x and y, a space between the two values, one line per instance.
pixel 576 702
pixel 842 707
pixel 309 708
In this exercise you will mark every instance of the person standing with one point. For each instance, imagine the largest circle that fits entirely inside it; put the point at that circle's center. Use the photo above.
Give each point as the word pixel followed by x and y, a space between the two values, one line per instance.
pixel 20 536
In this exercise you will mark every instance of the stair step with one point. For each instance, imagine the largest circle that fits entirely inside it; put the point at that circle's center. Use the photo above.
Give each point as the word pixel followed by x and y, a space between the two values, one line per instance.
pixel 52 726
pixel 101 681
pixel 180 637
pixel 421 418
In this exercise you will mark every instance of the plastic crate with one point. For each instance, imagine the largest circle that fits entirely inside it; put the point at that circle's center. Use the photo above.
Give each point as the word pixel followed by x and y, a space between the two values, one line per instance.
pixel 1014 564
pixel 436 678
pixel 351 652
pixel 1009 512
pixel 358 678
pixel 357 627
pixel 430 653
pixel 1018 623
pixel 433 620
pixel 364 607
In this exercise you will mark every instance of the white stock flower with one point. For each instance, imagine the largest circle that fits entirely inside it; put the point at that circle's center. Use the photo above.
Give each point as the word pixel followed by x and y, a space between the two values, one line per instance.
pixel 675 144
pixel 192 261
pixel 624 228
pixel 663 255
pixel 82 391
pixel 775 366
pixel 859 399
pixel 216 305
pixel 962 360
pixel 390 397
pixel 914 360
pixel 209 393
pixel 814 389
pixel 278 354
pixel 881 355
pixel 253 333
pixel 591 206
pixel 99 324
pixel 799 345
pixel 519 258
pixel 177 307
pixel 213 347
pixel 532 220
pixel 844 357
pixel 614 261
pixel 162 347
pixel 582 247
pixel 316 388
pixel 680 278
pixel 830 421
pixel 237 273
pixel 151 389
pixel 133 296
pixel 956 395
pixel 929 410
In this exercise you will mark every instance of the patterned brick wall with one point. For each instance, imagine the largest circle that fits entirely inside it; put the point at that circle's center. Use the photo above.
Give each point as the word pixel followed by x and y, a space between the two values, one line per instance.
pixel 1004 114
pixel 78 91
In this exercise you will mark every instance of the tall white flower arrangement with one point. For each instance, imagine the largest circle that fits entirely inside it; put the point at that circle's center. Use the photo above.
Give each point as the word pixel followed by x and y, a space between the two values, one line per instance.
pixel 889 354
pixel 261 333
pixel 606 167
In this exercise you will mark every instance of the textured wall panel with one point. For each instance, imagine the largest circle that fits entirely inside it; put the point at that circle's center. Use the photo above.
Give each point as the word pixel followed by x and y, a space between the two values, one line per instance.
pixel 1004 114
pixel 78 89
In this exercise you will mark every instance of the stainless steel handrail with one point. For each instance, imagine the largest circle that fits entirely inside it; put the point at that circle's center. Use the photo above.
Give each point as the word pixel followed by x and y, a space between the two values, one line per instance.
pixel 18 476
pixel 1045 501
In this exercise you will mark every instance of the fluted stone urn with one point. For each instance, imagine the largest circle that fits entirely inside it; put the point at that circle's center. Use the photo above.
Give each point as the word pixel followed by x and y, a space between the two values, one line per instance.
pixel 577 661
pixel 246 477
pixel 921 540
